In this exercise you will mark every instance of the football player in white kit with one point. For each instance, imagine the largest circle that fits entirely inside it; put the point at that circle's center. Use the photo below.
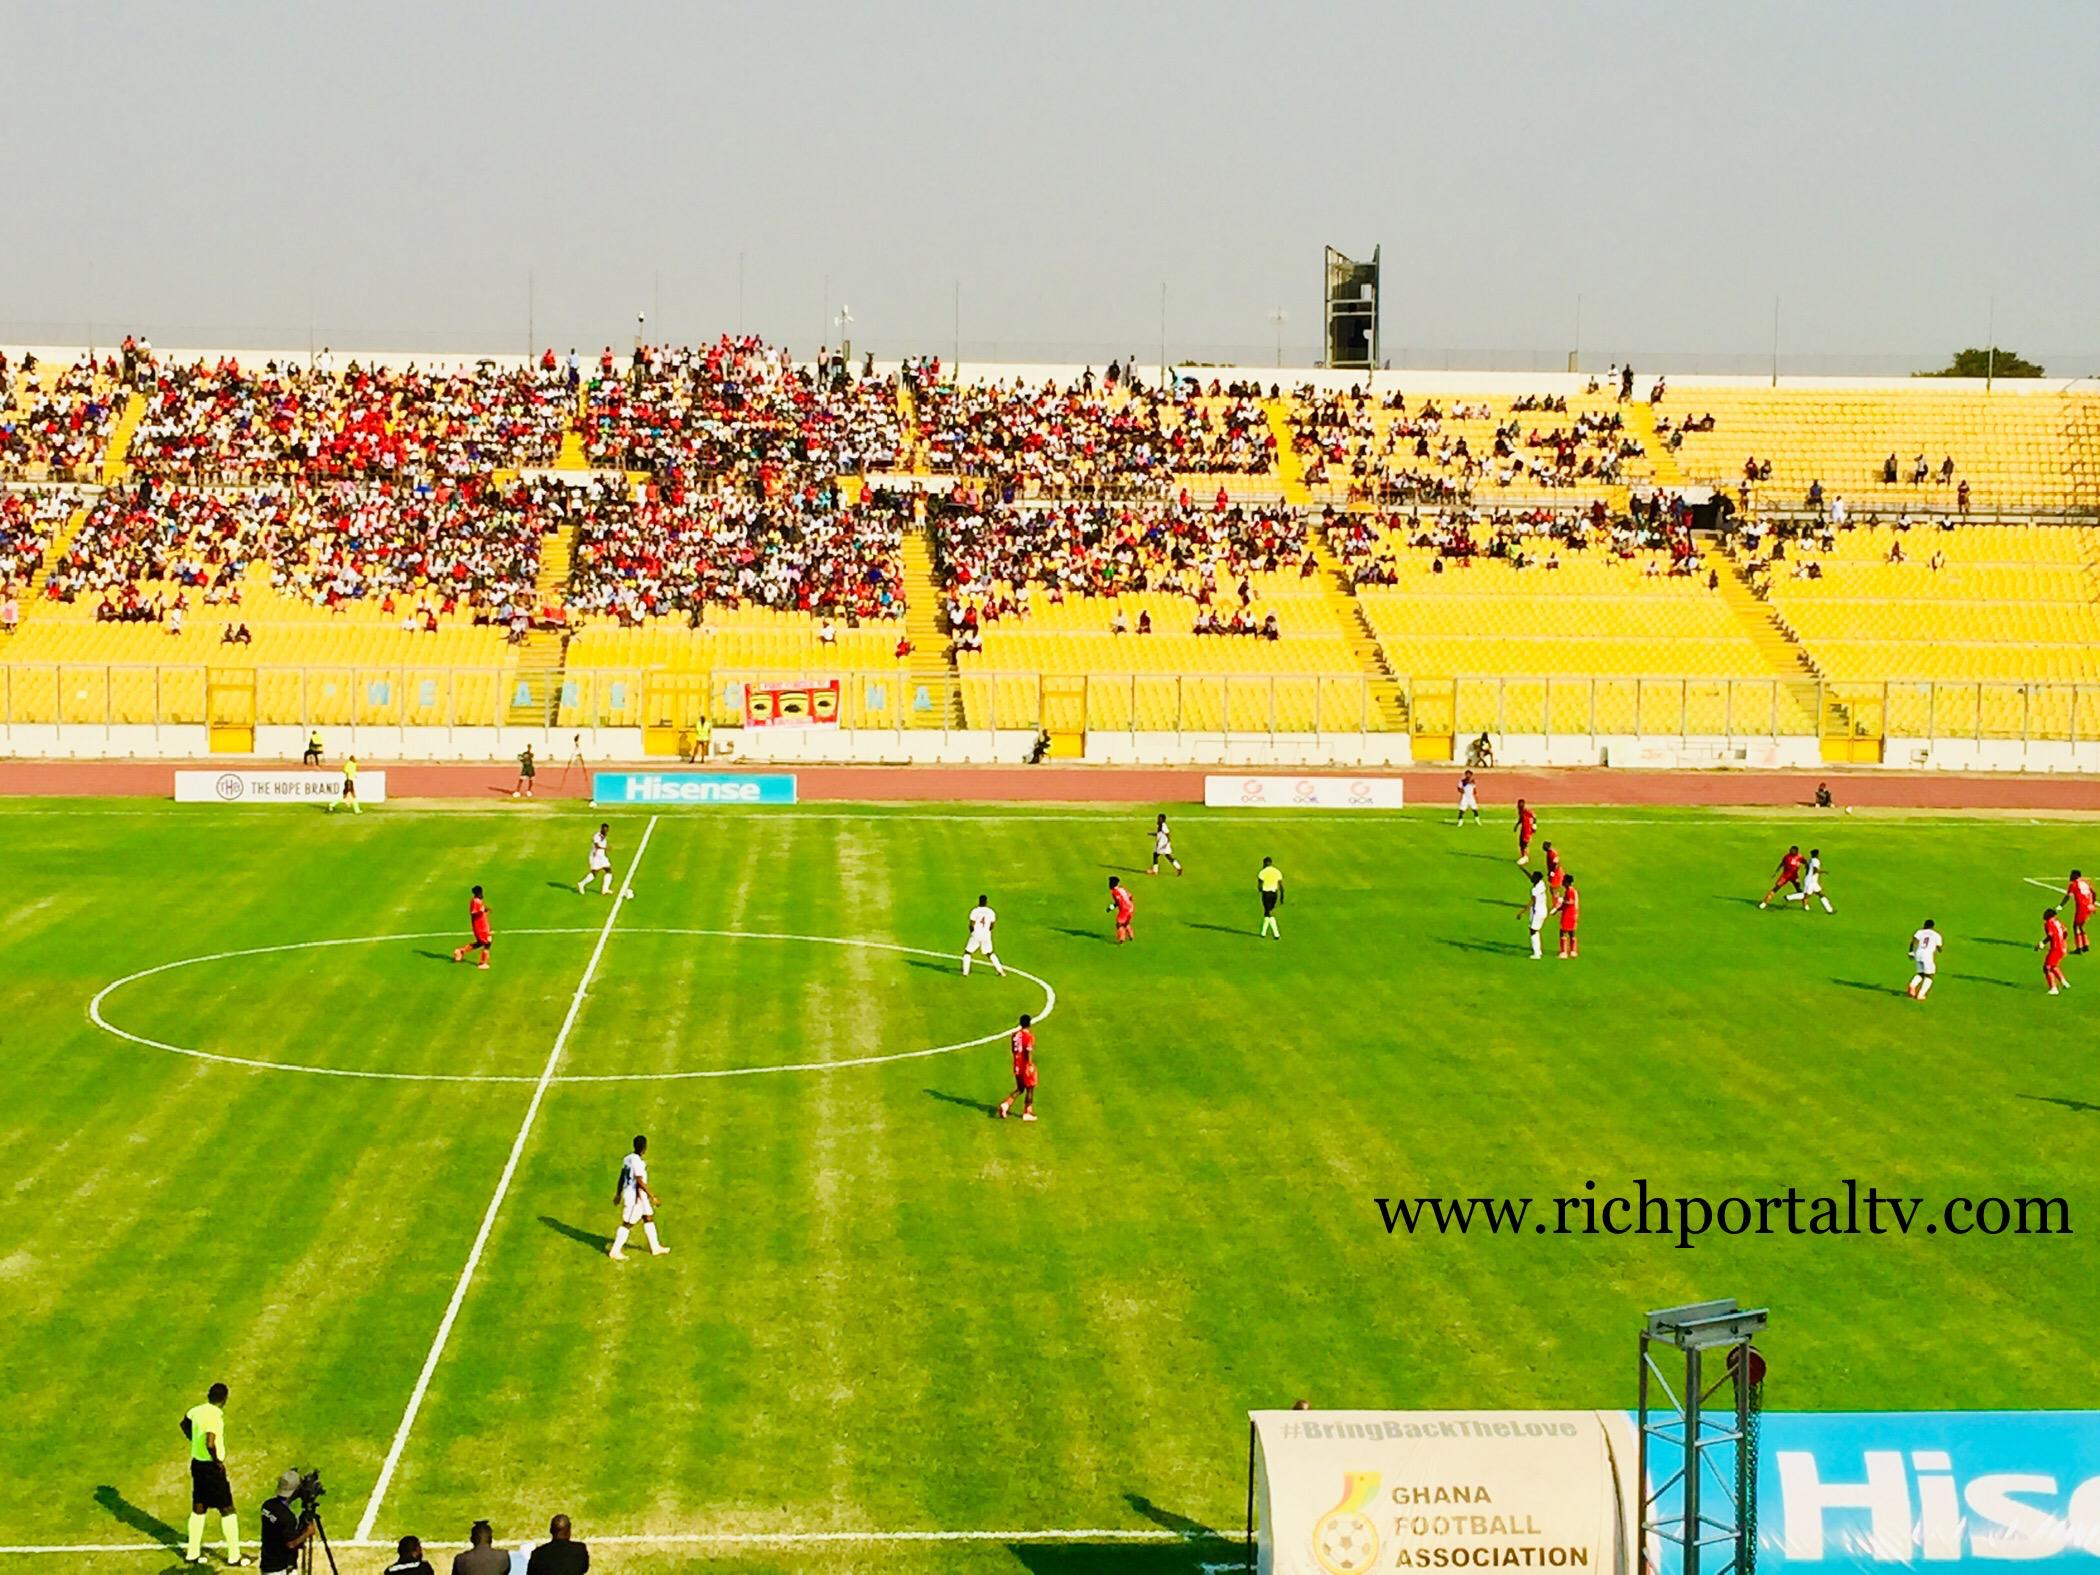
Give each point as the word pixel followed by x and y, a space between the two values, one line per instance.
pixel 1163 847
pixel 637 1204
pixel 1925 957
pixel 1812 882
pixel 982 918
pixel 1535 909
pixel 1467 800
pixel 601 861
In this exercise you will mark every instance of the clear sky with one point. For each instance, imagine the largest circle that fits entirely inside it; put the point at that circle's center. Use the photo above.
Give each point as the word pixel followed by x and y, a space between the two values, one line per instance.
pixel 227 171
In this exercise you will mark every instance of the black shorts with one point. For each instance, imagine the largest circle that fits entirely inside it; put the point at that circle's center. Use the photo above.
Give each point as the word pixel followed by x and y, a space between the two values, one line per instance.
pixel 209 1487
pixel 476 943
pixel 1269 899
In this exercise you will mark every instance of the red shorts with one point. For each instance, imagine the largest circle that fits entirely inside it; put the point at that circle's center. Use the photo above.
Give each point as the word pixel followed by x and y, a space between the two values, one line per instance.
pixel 1025 1079
pixel 2053 958
pixel 1567 926
pixel 482 938
pixel 2080 916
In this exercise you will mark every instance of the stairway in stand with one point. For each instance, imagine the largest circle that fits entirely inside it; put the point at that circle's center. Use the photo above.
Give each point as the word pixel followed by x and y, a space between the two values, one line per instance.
pixel 535 695
pixel 1788 658
pixel 1640 421
pixel 1387 693
pixel 934 693
pixel 116 460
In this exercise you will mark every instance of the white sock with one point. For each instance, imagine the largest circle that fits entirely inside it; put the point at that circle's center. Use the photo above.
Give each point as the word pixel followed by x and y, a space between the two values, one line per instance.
pixel 998 965
pixel 607 887
pixel 649 1230
pixel 966 965
pixel 619 1238
pixel 1535 945
pixel 1826 905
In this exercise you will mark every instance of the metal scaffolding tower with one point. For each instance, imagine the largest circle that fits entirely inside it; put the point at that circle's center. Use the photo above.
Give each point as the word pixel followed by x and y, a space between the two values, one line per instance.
pixel 1703 1449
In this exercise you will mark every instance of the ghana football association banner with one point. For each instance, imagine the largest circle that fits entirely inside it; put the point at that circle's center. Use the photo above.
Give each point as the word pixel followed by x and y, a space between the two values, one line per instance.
pixel 1838 1492
pixel 1352 1492
pixel 795 705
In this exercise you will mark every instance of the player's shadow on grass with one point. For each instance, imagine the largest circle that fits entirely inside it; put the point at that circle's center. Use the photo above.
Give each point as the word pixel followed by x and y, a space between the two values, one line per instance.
pixel 1492 858
pixel 1721 896
pixel 2080 1106
pixel 982 1106
pixel 1222 929
pixel 443 957
pixel 935 965
pixel 1873 989
pixel 576 1233
pixel 1084 935
pixel 1124 869
pixel 144 1522
pixel 1977 978
pixel 1999 940
pixel 1503 948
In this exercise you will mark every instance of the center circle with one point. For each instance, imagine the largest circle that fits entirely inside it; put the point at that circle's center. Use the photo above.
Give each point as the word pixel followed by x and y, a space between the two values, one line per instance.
pixel 100 1020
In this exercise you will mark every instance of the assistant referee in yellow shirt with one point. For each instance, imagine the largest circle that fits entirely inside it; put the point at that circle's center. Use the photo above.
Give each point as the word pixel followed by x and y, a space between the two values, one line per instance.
pixel 205 1426
pixel 1270 881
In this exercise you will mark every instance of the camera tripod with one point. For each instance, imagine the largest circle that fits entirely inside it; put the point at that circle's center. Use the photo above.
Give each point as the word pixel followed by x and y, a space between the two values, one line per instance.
pixel 306 1549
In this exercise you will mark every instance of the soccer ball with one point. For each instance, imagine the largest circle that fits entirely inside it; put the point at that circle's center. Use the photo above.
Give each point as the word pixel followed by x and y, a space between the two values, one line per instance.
pixel 1848 809
pixel 627 895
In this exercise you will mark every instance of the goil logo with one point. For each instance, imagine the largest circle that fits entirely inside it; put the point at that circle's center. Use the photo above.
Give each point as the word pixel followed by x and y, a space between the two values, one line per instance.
pixel 1344 1540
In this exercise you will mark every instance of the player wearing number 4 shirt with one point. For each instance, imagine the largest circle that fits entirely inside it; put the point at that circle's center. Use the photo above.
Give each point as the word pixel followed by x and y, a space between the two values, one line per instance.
pixel 1163 847
pixel 601 862
pixel 1022 1044
pixel 637 1204
pixel 982 918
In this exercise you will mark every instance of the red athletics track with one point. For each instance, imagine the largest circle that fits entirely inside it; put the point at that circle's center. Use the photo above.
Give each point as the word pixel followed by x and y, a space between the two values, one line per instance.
pixel 1143 785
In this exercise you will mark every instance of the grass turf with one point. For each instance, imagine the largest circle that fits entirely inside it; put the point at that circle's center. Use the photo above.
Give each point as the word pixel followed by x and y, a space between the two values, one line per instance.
pixel 884 1310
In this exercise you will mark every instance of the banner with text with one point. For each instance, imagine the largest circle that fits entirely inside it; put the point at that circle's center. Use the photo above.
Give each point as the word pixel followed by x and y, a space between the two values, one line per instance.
pixel 274 787
pixel 1352 1492
pixel 793 705
pixel 1273 792
pixel 689 789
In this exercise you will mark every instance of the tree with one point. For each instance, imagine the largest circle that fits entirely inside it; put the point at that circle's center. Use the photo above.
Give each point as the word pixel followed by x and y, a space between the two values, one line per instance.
pixel 1988 363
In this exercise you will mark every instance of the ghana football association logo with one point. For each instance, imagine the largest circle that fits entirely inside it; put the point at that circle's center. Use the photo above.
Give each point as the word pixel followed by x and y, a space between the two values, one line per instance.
pixel 1344 1540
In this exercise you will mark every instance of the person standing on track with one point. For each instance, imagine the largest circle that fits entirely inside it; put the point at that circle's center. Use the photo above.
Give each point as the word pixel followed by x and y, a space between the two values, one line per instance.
pixel 2052 947
pixel 210 1492
pixel 1163 847
pixel 528 772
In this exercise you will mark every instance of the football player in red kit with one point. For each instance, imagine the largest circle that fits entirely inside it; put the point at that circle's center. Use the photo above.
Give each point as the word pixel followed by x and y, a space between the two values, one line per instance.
pixel 1022 1043
pixel 2078 897
pixel 1569 907
pixel 1121 906
pixel 478 919
pixel 1791 866
pixel 2051 946
pixel 1527 823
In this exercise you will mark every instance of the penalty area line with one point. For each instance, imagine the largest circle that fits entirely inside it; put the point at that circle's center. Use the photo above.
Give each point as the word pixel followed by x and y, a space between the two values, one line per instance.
pixel 488 1218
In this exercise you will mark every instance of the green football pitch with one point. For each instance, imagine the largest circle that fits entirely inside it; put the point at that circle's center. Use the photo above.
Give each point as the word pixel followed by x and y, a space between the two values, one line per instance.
pixel 375 1194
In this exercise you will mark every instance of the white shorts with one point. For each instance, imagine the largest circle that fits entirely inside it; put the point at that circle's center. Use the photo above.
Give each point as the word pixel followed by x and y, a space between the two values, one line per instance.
pixel 1466 800
pixel 599 861
pixel 979 945
pixel 636 1209
pixel 1926 966
pixel 1812 886
pixel 1162 850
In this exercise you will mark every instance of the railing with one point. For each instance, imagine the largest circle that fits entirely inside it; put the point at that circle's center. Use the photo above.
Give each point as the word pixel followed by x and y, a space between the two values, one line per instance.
pixel 1652 707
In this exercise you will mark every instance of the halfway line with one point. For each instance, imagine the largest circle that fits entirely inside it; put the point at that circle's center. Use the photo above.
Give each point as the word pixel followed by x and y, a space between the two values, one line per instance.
pixel 488 1219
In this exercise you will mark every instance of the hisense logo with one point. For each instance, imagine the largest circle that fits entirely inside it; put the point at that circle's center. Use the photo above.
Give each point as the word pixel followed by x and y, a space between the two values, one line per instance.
pixel 2001 1515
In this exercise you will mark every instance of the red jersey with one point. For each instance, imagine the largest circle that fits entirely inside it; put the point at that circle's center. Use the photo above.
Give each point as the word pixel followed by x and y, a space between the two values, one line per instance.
pixel 1024 1056
pixel 1570 909
pixel 1526 822
pixel 1790 867
pixel 478 916
pixel 1124 906
pixel 2080 891
pixel 1553 870
pixel 2053 938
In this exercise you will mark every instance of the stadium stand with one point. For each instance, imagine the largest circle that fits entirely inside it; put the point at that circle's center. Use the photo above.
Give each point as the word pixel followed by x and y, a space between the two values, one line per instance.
pixel 57 423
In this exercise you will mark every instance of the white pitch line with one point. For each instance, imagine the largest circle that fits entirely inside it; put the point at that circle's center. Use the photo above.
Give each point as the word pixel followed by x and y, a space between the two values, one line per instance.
pixel 488 1219
pixel 2046 885
pixel 735 1539
pixel 253 1063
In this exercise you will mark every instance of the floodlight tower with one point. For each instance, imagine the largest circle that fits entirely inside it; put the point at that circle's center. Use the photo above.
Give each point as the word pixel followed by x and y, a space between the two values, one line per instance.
pixel 1701 1448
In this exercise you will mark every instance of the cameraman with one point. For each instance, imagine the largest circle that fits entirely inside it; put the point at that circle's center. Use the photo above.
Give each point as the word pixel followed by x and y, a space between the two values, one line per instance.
pixel 284 1530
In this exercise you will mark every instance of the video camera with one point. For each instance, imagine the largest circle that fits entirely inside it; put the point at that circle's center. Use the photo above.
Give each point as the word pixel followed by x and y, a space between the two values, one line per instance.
pixel 309 1492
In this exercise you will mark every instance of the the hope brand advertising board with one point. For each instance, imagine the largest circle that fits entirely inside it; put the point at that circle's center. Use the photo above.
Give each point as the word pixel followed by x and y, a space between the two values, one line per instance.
pixel 689 789
pixel 1273 792
pixel 1352 1492
pixel 274 787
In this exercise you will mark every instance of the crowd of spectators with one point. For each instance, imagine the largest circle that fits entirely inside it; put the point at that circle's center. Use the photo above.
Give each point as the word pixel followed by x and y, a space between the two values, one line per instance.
pixel 742 409
pixel 1116 436
pixel 673 552
pixel 430 553
pixel 996 557
pixel 61 432
pixel 222 422
pixel 1385 452
pixel 1657 526
pixel 30 520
